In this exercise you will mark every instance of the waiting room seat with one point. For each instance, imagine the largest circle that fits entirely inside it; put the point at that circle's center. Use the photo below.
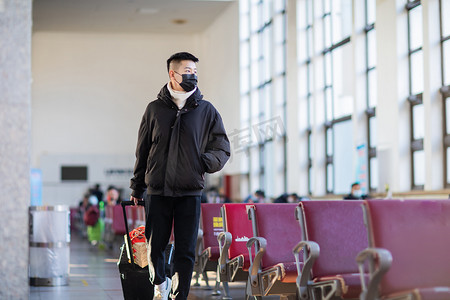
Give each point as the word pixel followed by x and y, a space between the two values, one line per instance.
pixel 409 250
pixel 234 260
pixel 275 233
pixel 337 227
pixel 208 247
pixel 118 223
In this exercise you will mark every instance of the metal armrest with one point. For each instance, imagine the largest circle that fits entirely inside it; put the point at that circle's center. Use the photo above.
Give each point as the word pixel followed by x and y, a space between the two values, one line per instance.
pixel 224 239
pixel 198 246
pixel 382 259
pixel 311 251
pixel 255 262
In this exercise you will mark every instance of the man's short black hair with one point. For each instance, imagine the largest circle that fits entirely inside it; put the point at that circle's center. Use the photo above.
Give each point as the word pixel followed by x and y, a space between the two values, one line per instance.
pixel 178 57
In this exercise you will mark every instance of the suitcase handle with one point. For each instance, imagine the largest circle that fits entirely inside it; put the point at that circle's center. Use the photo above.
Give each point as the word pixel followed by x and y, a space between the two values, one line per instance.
pixel 130 247
pixel 129 202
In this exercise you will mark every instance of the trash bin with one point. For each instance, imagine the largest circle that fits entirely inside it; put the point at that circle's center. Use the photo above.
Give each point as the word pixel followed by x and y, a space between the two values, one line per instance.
pixel 49 245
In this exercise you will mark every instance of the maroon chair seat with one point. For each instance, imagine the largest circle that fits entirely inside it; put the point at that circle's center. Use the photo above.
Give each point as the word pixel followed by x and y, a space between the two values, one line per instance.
pixel 275 233
pixel 338 228
pixel 409 249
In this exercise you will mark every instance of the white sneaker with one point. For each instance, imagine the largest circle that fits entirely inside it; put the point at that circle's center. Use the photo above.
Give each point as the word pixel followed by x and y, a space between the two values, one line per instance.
pixel 162 290
pixel 175 281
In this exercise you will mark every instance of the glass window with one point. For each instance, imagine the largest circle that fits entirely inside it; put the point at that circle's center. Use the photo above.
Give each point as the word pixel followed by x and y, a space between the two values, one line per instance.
pixel 329 105
pixel 448 164
pixel 371 48
pixel 267 11
pixel 278 28
pixel 446 62
pixel 310 43
pixel 343 156
pixel 328 73
pixel 415 27
pixel 244 59
pixel 263 56
pixel 244 26
pixel 255 75
pixel 373 131
pixel 243 7
pixel 326 6
pixel 372 87
pixel 330 185
pixel 373 173
pixel 342 82
pixel 329 141
pixel 418 124
pixel 318 34
pixel 327 30
pixel 445 7
pixel 419 168
pixel 278 86
pixel 320 108
pixel 244 108
pixel 371 11
pixel 244 80
pixel 254 109
pixel 342 20
pixel 417 73
pixel 254 47
pixel 279 61
pixel 447 114
pixel 279 5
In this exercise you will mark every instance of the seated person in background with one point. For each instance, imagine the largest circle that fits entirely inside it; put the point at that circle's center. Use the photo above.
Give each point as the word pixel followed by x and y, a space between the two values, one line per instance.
pixel 258 197
pixel 356 193
pixel 282 199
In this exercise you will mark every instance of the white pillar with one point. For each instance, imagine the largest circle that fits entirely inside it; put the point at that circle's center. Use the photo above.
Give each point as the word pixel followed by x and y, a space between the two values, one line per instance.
pixel 15 91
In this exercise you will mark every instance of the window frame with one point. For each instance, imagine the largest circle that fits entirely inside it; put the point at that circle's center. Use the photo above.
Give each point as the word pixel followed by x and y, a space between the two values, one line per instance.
pixel 370 110
pixel 445 92
pixel 416 145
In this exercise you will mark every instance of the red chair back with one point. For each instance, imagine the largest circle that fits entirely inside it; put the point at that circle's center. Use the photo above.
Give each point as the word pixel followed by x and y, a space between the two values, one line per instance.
pixel 118 224
pixel 338 227
pixel 276 223
pixel 212 224
pixel 417 233
pixel 237 223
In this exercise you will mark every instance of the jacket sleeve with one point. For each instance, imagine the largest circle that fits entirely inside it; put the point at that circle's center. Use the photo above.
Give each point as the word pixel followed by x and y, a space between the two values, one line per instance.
pixel 138 185
pixel 217 150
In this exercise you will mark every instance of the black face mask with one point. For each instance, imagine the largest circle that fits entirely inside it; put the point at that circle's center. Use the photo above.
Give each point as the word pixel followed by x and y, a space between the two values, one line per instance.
pixel 189 81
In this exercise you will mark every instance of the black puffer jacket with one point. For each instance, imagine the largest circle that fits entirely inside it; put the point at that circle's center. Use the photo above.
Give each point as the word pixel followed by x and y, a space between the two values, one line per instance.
pixel 176 147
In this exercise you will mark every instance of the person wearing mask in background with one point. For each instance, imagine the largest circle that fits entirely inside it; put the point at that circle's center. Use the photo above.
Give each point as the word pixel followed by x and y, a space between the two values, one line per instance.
pixel 356 193
pixel 181 137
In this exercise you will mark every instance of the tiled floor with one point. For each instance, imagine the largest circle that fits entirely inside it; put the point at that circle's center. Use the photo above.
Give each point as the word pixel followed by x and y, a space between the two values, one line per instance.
pixel 94 276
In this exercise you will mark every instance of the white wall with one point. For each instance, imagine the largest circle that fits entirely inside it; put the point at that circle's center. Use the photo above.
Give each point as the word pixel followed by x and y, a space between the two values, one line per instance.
pixel 219 77
pixel 90 91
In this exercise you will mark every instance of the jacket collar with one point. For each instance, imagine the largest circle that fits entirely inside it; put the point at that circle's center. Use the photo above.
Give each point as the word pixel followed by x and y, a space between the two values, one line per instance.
pixel 191 102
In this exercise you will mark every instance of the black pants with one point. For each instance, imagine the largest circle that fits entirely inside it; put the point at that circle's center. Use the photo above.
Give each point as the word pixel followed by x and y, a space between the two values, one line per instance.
pixel 184 213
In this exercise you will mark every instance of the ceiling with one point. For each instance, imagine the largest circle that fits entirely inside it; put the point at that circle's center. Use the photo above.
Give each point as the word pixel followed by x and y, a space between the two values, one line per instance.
pixel 126 16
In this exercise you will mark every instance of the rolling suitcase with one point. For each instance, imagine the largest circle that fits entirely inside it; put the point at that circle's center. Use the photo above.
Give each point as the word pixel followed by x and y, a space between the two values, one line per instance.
pixel 135 280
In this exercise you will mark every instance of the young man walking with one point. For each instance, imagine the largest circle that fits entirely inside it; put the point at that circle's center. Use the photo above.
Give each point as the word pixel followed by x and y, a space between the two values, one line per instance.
pixel 181 137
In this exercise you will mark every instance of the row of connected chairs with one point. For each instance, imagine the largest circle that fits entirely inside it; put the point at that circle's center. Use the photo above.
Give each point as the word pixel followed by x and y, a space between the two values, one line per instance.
pixel 115 223
pixel 375 249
